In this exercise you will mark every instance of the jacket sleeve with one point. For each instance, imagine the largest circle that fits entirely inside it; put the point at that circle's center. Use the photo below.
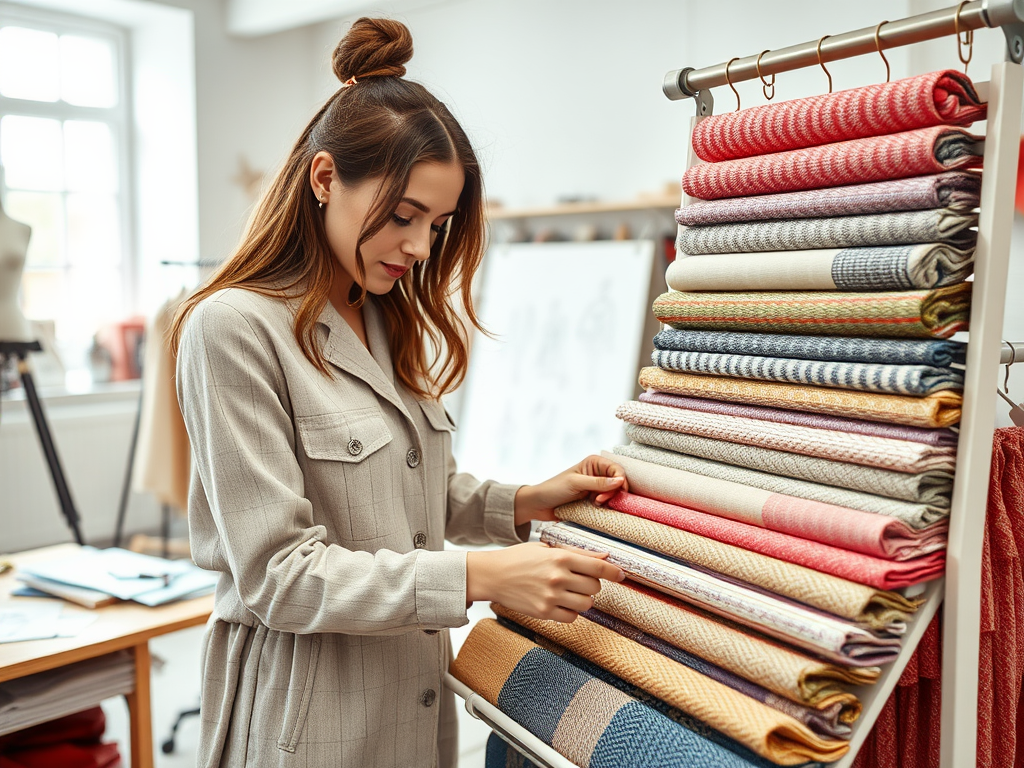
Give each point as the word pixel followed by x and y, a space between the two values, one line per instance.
pixel 481 512
pixel 252 520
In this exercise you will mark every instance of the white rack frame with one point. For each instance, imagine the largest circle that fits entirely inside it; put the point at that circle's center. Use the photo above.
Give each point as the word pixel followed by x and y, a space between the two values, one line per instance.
pixel 961 587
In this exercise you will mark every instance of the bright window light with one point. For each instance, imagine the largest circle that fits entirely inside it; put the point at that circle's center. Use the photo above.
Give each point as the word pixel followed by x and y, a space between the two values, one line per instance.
pixel 29 64
pixel 31 152
pixel 88 76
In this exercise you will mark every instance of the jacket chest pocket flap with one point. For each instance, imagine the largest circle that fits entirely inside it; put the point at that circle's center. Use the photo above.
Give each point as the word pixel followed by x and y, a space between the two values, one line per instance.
pixel 349 436
pixel 437 415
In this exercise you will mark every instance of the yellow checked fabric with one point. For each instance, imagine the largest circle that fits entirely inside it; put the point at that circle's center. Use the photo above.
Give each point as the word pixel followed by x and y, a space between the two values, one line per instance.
pixel 767 732
pixel 941 409
pixel 781 670
pixel 853 601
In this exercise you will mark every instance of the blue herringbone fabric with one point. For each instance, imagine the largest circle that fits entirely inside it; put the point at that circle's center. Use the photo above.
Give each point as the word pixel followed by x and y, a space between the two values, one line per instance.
pixel 938 353
pixel 693 733
pixel 537 671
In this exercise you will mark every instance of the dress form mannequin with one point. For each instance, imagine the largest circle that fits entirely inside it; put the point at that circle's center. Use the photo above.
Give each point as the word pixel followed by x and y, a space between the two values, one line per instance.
pixel 14 237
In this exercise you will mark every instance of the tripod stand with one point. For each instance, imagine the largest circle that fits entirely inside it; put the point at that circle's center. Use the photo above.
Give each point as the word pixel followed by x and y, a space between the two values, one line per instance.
pixel 19 350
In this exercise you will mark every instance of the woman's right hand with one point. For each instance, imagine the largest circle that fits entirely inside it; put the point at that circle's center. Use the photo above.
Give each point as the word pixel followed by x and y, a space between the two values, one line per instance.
pixel 538 580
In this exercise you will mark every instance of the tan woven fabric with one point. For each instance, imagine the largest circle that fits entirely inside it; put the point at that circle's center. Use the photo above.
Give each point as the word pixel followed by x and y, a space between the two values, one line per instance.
pixel 778 668
pixel 488 647
pixel 595 704
pixel 768 732
pixel 941 409
pixel 856 602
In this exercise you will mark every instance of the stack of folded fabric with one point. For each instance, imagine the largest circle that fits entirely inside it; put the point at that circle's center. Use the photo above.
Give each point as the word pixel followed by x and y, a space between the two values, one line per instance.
pixel 792 458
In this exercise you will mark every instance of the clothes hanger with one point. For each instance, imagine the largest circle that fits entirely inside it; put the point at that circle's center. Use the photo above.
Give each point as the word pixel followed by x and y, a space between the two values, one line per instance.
pixel 1016 411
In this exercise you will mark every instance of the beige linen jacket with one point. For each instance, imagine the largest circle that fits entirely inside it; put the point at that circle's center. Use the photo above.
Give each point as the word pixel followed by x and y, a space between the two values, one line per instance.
pixel 324 504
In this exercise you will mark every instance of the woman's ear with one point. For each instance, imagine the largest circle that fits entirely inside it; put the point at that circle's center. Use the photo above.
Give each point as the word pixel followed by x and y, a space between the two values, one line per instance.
pixel 321 174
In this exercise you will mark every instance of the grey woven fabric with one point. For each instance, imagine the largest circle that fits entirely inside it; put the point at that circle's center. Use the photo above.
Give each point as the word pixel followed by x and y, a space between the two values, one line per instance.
pixel 958 191
pixel 882 268
pixel 865 377
pixel 932 488
pixel 938 225
pixel 937 352
pixel 915 515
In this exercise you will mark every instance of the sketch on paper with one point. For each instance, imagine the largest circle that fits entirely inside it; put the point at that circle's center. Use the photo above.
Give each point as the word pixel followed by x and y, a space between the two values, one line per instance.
pixel 569 319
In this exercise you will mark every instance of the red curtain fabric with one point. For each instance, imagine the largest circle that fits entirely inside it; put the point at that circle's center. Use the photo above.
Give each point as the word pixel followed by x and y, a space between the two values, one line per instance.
pixel 74 741
pixel 907 733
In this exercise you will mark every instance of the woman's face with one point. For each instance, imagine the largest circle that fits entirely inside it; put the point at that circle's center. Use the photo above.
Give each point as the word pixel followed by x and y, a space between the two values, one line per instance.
pixel 429 200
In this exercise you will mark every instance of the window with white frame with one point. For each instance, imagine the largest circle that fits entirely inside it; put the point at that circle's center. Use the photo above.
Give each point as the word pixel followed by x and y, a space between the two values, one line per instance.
pixel 64 133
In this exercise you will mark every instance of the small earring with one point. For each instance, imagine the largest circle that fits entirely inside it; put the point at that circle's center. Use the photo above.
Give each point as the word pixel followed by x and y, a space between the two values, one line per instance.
pixel 321 202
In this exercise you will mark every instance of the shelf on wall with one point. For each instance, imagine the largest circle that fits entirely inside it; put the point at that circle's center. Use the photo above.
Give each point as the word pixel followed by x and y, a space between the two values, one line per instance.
pixel 567 209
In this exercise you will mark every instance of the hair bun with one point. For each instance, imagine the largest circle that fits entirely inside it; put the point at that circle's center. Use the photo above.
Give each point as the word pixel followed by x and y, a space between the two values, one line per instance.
pixel 373 48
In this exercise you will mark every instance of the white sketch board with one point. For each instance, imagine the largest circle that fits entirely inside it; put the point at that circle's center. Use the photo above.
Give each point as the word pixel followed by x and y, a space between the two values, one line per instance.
pixel 569 319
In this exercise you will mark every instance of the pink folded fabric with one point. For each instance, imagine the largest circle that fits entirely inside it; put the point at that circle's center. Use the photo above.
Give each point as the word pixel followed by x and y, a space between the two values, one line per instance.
pixel 896 156
pixel 864 532
pixel 853 448
pixel 936 437
pixel 956 190
pixel 863 569
pixel 946 97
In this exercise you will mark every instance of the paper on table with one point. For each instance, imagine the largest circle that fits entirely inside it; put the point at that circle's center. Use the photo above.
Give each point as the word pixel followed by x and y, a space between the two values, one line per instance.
pixel 110 570
pixel 29 621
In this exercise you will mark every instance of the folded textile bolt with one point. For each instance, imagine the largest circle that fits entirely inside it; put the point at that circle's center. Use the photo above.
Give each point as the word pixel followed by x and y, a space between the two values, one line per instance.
pixel 945 97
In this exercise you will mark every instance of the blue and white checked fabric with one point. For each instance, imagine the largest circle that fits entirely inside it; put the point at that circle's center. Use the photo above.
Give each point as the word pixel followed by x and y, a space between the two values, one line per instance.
pixel 938 352
pixel 866 377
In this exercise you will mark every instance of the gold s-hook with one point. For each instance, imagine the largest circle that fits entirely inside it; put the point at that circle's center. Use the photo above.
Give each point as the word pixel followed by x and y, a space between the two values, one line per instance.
pixel 765 84
pixel 1013 354
pixel 878 47
pixel 729 81
pixel 968 39
pixel 822 64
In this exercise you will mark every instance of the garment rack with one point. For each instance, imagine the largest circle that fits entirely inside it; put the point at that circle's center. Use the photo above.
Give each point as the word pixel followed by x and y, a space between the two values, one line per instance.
pixel 986 352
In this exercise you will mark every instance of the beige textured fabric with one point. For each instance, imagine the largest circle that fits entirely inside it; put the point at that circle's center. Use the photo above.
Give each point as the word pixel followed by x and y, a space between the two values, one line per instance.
pixel 324 504
pixel 856 602
pixel 778 668
pixel 162 453
pixel 768 732
pixel 595 704
pixel 941 409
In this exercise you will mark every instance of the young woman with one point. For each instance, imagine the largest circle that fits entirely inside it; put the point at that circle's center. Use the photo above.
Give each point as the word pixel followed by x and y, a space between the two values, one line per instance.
pixel 323 485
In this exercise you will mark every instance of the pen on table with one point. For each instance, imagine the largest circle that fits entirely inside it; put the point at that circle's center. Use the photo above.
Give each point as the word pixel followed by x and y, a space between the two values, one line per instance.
pixel 165 577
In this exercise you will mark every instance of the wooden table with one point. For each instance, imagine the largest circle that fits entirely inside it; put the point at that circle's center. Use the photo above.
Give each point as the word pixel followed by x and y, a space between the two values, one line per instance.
pixel 119 627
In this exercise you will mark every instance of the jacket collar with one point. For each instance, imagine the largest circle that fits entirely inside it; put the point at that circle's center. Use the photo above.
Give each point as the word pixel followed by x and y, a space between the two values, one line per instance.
pixel 344 350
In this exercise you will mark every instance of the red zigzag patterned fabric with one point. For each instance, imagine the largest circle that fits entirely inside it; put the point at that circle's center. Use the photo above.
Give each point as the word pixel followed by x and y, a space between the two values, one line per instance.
pixel 897 156
pixel 937 98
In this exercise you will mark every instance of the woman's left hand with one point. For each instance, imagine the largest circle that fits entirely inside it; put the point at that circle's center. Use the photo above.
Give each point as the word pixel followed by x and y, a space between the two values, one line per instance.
pixel 595 476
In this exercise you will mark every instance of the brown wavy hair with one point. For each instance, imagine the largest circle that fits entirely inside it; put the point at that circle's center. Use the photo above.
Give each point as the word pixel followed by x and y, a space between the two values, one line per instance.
pixel 377 128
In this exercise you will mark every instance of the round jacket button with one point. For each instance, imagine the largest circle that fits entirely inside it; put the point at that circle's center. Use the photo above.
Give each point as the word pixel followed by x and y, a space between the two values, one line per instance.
pixel 355 447
pixel 412 458
pixel 428 698
pixel 420 540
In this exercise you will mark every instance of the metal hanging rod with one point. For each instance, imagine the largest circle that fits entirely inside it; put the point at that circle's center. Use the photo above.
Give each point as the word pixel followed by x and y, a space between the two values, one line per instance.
pixel 1008 14
pixel 1011 352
